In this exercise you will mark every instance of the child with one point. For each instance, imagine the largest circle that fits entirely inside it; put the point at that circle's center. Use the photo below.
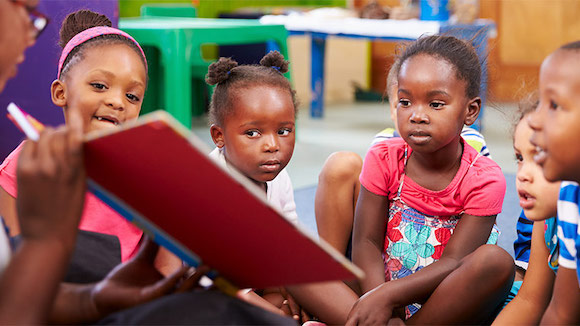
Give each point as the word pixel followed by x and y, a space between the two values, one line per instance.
pixel 555 125
pixel 51 187
pixel 441 197
pixel 538 199
pixel 102 74
pixel 339 185
pixel 252 116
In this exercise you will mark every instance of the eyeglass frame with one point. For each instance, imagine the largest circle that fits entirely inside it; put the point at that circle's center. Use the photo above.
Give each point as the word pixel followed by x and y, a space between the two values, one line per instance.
pixel 34 16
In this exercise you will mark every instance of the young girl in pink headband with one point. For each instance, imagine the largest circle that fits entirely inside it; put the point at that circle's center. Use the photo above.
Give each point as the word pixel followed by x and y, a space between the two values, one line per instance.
pixel 102 73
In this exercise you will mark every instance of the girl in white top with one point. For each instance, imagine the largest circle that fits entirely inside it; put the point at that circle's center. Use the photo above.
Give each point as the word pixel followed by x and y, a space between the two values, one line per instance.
pixel 252 115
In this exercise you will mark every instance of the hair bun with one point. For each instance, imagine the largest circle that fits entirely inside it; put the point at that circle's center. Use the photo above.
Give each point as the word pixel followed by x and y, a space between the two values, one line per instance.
pixel 220 70
pixel 275 59
pixel 79 21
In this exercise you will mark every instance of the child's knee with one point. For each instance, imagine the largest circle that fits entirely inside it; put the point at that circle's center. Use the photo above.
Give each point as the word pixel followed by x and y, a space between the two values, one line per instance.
pixel 341 166
pixel 492 259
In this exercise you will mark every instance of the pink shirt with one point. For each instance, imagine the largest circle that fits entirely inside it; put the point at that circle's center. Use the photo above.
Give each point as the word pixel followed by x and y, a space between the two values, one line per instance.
pixel 477 190
pixel 97 216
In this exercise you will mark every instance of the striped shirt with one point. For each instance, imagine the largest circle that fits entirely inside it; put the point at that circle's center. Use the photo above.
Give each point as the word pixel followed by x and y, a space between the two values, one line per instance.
pixel 568 231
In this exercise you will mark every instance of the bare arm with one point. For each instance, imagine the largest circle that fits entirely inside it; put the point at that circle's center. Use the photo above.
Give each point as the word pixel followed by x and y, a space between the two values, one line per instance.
pixel 51 183
pixel 8 212
pixel 470 233
pixel 531 301
pixel 370 223
pixel 563 308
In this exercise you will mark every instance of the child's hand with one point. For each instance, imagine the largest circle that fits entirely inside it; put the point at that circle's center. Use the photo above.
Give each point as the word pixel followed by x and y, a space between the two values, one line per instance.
pixel 135 282
pixel 292 309
pixel 51 185
pixel 370 309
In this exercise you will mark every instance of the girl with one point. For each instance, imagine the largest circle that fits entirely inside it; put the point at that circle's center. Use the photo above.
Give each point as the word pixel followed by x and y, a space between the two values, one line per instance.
pixel 538 198
pixel 555 125
pixel 339 185
pixel 102 75
pixel 252 116
pixel 441 198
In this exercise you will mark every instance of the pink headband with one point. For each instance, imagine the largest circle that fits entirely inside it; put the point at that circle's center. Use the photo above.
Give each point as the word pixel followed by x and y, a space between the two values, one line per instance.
pixel 91 33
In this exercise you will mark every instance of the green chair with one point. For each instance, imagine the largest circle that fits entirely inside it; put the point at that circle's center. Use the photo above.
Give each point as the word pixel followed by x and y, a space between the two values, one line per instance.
pixel 176 44
pixel 199 89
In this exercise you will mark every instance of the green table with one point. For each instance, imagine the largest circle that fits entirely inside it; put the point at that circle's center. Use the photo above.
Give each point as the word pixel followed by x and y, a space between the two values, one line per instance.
pixel 168 10
pixel 178 42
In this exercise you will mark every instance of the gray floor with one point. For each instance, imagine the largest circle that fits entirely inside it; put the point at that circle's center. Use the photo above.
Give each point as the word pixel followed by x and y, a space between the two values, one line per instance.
pixel 352 126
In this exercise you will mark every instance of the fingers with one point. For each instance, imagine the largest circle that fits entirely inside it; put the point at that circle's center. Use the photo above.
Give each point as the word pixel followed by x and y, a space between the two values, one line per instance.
pixel 293 306
pixel 44 152
pixel 59 152
pixel 286 308
pixel 193 280
pixel 305 316
pixel 75 137
pixel 50 155
pixel 75 124
pixel 27 157
pixel 148 250
pixel 164 286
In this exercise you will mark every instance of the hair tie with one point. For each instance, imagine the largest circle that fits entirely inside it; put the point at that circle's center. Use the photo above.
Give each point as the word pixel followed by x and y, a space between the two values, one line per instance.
pixel 277 68
pixel 91 33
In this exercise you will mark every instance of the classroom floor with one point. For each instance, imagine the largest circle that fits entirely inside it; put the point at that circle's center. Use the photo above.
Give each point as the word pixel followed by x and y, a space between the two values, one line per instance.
pixel 351 127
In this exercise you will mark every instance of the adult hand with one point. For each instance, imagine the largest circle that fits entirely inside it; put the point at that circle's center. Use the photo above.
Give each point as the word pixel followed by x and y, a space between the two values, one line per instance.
pixel 370 309
pixel 135 282
pixel 51 190
pixel 192 277
pixel 51 185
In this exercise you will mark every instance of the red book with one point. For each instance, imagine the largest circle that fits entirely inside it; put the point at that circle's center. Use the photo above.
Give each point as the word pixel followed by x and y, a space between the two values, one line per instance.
pixel 157 174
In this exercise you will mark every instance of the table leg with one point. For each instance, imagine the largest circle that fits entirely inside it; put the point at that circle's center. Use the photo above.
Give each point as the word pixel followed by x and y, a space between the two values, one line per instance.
pixel 478 36
pixel 317 77
pixel 177 79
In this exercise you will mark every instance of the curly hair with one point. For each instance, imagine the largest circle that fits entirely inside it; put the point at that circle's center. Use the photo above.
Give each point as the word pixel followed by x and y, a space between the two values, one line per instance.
pixel 228 77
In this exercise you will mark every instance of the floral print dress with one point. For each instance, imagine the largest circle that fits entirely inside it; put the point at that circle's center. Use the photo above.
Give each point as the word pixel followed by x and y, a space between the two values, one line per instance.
pixel 415 239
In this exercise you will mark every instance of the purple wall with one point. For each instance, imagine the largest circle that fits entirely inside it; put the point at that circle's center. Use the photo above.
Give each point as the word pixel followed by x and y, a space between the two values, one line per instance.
pixel 31 88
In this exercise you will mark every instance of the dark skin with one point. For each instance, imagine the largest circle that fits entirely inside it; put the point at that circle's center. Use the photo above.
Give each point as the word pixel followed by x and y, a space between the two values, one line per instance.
pixel 529 305
pixel 51 181
pixel 51 184
pixel 558 106
pixel 132 283
pixel 563 308
pixel 432 109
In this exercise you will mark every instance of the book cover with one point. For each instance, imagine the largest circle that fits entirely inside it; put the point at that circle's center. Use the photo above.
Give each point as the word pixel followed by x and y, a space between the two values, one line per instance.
pixel 157 174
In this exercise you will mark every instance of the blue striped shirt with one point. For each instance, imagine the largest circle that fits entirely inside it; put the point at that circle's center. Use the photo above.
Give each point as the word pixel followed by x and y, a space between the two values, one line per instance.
pixel 568 231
